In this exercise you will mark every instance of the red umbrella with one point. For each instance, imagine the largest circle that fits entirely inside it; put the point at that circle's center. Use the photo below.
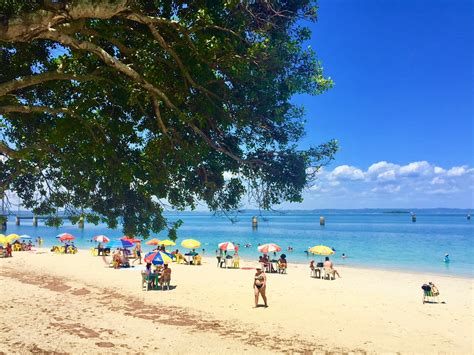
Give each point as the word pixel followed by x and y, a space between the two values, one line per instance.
pixel 101 239
pixel 65 236
pixel 130 239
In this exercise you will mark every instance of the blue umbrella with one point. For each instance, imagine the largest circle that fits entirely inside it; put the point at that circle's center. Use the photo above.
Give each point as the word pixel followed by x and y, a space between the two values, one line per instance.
pixel 119 244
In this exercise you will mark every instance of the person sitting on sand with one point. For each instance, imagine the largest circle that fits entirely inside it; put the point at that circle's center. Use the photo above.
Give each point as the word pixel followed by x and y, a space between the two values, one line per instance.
pixel 260 286
pixel 165 275
pixel 329 265
pixel 116 259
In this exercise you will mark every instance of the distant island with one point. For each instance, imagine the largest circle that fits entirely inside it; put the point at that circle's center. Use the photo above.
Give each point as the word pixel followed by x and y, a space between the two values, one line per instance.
pixel 398 212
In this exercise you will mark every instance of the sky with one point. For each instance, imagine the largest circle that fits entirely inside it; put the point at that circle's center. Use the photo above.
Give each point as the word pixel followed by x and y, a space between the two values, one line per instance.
pixel 402 105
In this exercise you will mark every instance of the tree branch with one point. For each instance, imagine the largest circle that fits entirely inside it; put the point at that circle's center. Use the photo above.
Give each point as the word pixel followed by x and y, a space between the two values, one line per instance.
pixel 32 80
pixel 32 109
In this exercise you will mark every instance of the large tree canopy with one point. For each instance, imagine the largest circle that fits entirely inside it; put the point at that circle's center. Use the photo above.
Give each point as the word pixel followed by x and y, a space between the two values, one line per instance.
pixel 114 106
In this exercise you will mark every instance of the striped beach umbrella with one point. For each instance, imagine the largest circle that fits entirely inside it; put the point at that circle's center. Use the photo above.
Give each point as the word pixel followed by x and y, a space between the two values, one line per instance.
pixel 101 239
pixel 65 236
pixel 158 258
pixel 228 246
pixel 268 248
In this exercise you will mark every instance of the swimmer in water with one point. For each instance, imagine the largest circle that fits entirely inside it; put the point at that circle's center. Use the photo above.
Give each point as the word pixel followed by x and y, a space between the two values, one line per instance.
pixel 446 258
pixel 343 256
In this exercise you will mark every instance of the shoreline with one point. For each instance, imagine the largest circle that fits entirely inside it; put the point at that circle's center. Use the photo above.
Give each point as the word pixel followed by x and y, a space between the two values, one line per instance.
pixel 337 265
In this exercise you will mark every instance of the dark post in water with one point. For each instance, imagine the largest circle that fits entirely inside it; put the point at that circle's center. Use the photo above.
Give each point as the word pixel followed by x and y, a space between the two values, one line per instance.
pixel 322 221
pixel 35 221
pixel 413 217
pixel 254 222
pixel 17 221
pixel 81 222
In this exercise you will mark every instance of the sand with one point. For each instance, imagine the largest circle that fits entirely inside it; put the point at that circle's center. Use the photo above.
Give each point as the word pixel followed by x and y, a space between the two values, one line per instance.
pixel 76 304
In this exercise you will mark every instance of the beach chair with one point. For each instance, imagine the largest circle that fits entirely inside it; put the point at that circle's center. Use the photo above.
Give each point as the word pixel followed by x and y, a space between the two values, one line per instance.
pixel 430 293
pixel 166 282
pixel 146 281
pixel 198 260
pixel 281 268
pixel 329 274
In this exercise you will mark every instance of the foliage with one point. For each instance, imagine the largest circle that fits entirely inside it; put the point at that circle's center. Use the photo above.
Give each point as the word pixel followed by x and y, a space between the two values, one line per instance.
pixel 123 107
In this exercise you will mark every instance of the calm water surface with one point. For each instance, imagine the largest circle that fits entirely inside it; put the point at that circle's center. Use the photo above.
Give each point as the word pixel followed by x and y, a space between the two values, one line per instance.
pixel 381 240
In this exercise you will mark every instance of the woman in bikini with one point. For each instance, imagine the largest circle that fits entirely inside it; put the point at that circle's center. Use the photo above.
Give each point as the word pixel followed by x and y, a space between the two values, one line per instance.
pixel 259 286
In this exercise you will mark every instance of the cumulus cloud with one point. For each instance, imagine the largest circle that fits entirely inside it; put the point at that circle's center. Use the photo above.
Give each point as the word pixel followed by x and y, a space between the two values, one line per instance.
pixel 458 171
pixel 384 182
pixel 346 172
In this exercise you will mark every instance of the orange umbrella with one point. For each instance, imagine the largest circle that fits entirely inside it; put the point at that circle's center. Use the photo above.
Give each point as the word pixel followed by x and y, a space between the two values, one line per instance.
pixel 153 241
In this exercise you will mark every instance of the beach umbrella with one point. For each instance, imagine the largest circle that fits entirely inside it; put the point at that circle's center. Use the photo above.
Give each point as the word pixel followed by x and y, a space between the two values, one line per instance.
pixel 131 239
pixel 268 248
pixel 321 250
pixel 122 244
pixel 158 258
pixel 153 241
pixel 101 239
pixel 190 243
pixel 12 236
pixel 25 236
pixel 65 236
pixel 228 246
pixel 167 243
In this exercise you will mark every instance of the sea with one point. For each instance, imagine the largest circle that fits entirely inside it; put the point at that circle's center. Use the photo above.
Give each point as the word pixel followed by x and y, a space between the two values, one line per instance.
pixel 382 239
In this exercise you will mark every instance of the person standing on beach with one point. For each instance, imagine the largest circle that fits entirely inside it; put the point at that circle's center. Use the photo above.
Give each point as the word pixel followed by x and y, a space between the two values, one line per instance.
pixel 260 286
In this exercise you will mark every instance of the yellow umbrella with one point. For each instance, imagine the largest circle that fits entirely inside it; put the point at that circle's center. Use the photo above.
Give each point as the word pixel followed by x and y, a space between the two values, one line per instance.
pixel 12 236
pixel 3 239
pixel 190 243
pixel 321 250
pixel 167 242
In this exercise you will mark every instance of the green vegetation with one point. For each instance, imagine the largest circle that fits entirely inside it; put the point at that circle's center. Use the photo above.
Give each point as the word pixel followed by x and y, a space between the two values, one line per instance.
pixel 122 108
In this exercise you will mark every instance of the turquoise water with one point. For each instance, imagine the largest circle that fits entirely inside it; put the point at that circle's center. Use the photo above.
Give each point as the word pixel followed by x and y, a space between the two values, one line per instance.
pixel 373 239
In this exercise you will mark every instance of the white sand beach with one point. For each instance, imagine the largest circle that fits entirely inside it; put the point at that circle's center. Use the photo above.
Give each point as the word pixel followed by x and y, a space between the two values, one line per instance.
pixel 76 304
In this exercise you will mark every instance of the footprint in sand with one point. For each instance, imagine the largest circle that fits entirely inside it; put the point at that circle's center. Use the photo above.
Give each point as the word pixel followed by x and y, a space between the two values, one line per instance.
pixel 105 344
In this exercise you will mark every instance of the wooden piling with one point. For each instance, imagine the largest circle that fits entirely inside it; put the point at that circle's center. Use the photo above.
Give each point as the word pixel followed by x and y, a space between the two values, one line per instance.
pixel 413 218
pixel 17 221
pixel 35 221
pixel 322 221
pixel 81 222
pixel 254 222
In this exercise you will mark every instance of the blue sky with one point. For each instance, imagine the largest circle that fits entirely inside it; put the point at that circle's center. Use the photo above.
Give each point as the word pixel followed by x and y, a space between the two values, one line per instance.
pixel 403 95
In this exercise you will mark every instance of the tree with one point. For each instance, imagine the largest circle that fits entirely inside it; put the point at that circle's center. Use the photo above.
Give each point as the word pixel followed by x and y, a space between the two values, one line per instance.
pixel 114 106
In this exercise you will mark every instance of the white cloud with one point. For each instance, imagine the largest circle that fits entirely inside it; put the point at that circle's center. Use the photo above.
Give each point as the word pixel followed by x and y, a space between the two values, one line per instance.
pixel 416 169
pixel 412 183
pixel 388 175
pixel 458 171
pixel 437 181
pixel 439 170
pixel 346 172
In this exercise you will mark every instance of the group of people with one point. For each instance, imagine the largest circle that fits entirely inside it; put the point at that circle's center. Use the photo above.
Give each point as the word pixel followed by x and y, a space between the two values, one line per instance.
pixel 164 273
pixel 327 265
pixel 267 264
